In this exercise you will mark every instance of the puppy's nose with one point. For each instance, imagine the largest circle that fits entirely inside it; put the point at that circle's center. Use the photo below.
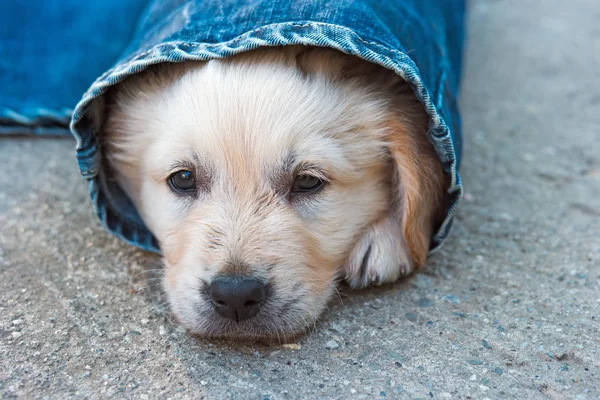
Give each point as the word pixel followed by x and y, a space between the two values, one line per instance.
pixel 237 297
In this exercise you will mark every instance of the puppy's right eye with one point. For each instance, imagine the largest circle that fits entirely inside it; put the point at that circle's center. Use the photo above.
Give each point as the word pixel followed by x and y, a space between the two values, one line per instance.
pixel 183 182
pixel 306 184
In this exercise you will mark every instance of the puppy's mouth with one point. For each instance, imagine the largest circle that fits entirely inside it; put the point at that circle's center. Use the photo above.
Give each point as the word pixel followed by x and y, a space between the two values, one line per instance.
pixel 249 309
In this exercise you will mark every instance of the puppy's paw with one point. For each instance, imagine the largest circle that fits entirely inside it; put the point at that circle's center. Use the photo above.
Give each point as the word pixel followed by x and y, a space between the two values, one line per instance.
pixel 380 256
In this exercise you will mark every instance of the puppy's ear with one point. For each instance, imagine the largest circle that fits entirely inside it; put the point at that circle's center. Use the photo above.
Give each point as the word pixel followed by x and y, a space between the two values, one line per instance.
pixel 315 61
pixel 418 184
pixel 338 66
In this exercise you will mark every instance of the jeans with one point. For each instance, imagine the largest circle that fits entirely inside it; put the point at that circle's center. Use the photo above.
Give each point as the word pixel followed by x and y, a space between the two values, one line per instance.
pixel 421 40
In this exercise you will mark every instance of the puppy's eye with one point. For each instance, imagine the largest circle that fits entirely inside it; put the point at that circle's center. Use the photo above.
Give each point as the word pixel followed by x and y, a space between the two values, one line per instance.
pixel 306 184
pixel 183 181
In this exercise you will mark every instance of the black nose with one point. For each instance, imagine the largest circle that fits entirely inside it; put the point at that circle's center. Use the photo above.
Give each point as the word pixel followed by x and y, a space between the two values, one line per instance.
pixel 237 297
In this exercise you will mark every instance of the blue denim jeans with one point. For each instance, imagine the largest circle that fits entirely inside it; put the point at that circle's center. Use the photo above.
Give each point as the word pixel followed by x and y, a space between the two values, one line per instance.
pixel 50 52
pixel 421 40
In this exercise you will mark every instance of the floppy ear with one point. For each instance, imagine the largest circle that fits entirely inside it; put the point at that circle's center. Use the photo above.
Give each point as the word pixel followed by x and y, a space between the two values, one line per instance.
pixel 418 184
pixel 338 66
pixel 418 194
pixel 320 61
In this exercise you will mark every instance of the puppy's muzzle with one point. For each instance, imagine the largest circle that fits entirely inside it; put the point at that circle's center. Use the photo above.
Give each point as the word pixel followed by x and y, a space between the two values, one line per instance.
pixel 237 297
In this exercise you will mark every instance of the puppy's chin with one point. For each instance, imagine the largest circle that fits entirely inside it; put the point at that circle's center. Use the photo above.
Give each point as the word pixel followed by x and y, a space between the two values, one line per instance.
pixel 284 315
pixel 306 165
pixel 267 328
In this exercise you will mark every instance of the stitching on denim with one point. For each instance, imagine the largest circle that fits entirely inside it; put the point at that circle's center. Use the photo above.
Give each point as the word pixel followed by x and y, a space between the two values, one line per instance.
pixel 248 34
pixel 209 46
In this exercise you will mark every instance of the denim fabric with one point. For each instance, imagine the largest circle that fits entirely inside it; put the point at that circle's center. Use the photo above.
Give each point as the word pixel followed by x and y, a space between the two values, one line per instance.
pixel 421 40
pixel 50 51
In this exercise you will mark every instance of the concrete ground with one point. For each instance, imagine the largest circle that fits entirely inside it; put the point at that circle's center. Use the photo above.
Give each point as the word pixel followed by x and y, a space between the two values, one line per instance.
pixel 510 308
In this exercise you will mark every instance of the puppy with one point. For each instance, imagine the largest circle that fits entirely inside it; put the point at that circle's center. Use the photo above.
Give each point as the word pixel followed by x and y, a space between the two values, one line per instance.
pixel 268 176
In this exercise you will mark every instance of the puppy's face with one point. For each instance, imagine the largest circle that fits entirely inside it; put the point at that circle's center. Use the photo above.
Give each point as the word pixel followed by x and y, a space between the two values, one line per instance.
pixel 260 179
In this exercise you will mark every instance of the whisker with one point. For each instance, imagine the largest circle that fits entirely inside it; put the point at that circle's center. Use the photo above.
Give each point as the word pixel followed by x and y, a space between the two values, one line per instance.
pixel 148 270
pixel 322 299
pixel 276 329
pixel 338 294
pixel 146 287
pixel 154 279
pixel 297 322
pixel 308 326
pixel 149 311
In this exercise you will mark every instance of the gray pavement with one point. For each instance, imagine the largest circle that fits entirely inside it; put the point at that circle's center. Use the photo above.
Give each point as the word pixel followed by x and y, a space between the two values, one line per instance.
pixel 509 308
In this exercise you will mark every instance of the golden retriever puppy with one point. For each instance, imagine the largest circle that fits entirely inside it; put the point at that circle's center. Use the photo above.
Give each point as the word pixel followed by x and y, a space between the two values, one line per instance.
pixel 268 176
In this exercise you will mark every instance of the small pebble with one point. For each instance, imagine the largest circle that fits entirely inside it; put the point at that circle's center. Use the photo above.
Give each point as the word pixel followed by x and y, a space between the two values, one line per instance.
pixel 506 216
pixel 473 377
pixel 486 344
pixel 396 355
pixel 331 345
pixel 144 321
pixel 162 331
pixel 499 371
pixel 292 346
pixel 17 322
pixel 16 334
pixel 424 302
pixel 411 316
pixel 452 298
pixel 134 333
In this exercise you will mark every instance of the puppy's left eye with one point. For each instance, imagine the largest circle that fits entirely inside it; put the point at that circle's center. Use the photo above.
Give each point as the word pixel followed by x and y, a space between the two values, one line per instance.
pixel 183 181
pixel 306 184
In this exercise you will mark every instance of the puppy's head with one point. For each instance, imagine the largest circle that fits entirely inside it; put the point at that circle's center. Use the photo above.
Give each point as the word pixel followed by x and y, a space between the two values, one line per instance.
pixel 265 177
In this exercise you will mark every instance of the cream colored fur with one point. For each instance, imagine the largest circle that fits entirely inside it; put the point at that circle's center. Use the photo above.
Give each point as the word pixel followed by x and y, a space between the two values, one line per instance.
pixel 244 124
